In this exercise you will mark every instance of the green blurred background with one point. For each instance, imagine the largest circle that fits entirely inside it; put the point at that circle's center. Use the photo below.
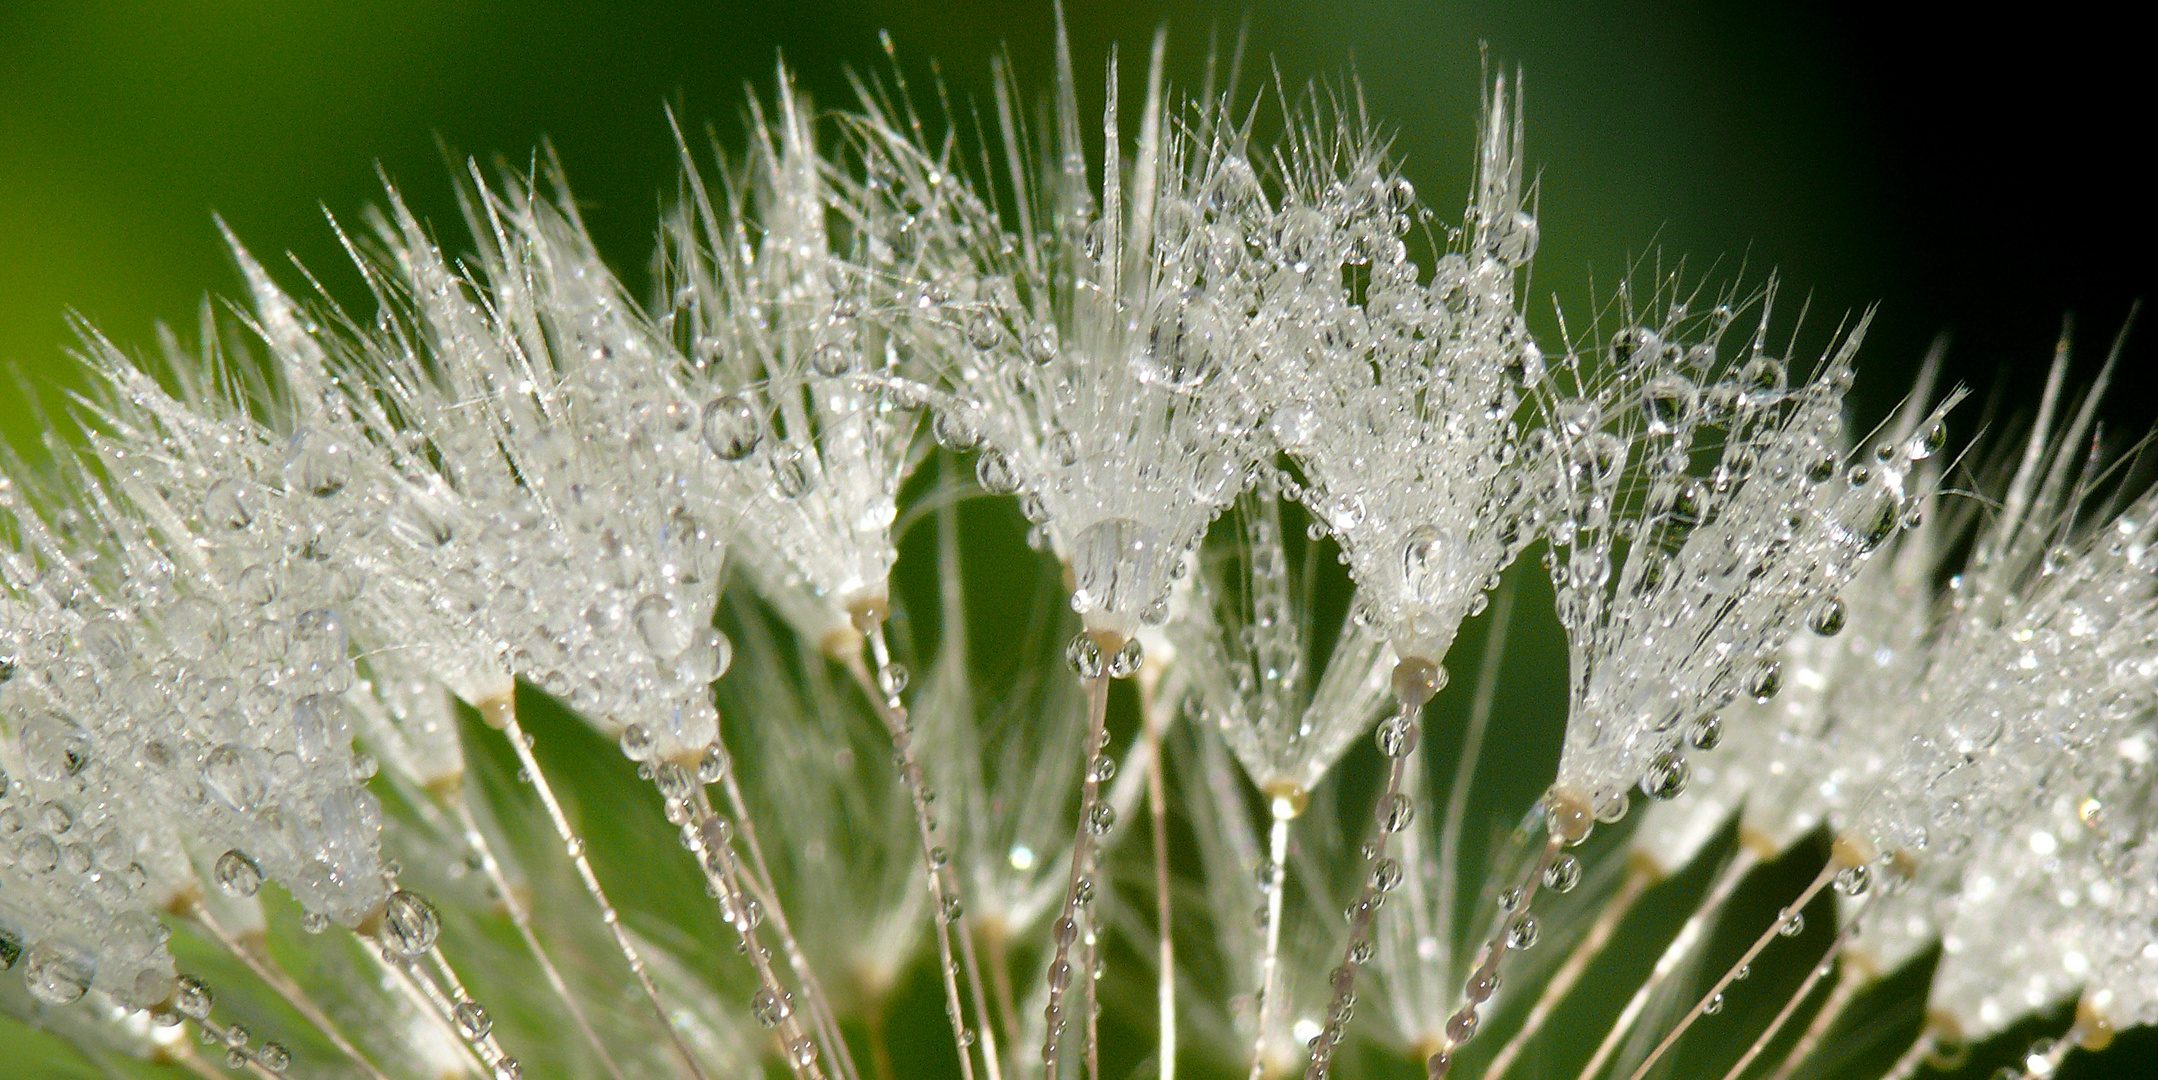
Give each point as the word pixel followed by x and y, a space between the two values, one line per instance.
pixel 1971 178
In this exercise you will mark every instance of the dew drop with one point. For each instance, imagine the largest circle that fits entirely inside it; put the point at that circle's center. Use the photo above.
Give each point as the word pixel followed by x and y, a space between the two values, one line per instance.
pixel 472 1019
pixel 1084 656
pixel 1666 777
pixel 1765 681
pixel 732 427
pixel 237 875
pixel 1563 875
pixel 191 998
pixel 273 1057
pixel 832 360
pixel 1706 732
pixel 1521 934
pixel 1127 660
pixel 1396 812
pixel 1828 617
pixel 56 975
pixel 409 924
pixel 793 474
pixel 994 472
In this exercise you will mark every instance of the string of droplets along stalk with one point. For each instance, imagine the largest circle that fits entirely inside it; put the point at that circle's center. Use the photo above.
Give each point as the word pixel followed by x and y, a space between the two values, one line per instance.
pixel 949 911
pixel 1415 683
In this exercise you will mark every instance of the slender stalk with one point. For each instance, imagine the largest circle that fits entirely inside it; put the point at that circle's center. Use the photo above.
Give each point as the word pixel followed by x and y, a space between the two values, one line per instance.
pixel 945 905
pixel 1852 976
pixel 1820 881
pixel 1283 811
pixel 744 908
pixel 1790 1007
pixel 1416 681
pixel 1696 924
pixel 1066 929
pixel 267 969
pixel 521 918
pixel 814 999
pixel 501 712
pixel 1461 1026
pixel 1639 876
pixel 1913 1059
pixel 1158 802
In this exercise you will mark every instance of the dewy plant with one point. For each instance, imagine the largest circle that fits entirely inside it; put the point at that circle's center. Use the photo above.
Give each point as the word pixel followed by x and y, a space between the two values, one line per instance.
pixel 307 646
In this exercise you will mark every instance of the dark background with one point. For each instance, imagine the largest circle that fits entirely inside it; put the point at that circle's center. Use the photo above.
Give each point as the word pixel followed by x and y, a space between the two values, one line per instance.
pixel 1968 176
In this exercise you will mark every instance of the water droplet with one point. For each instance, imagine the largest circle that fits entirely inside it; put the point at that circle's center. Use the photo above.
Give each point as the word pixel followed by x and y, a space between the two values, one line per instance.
pixel 1706 732
pixel 1386 876
pixel 1395 813
pixel 1853 880
pixel 793 473
pixel 1104 769
pixel 472 1019
pixel 409 924
pixel 56 975
pixel 1101 819
pixel 227 505
pixel 769 1008
pixel 231 777
pixel 1713 1006
pixel 1563 874
pixel 1396 736
pixel 237 875
pixel 1670 402
pixel 1522 933
pixel 1666 777
pixel 636 742
pixel 832 359
pixel 732 427
pixel 955 428
pixel 1790 923
pixel 191 998
pixel 54 747
pixel 892 677
pixel 994 472
pixel 1828 617
pixel 1765 681
pixel 1041 346
pixel 1128 658
pixel 1928 442
pixel 1084 656
pixel 318 465
pixel 273 1057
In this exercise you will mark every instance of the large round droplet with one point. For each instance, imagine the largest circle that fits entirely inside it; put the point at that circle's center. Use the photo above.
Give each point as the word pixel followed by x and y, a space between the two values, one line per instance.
pixel 793 473
pixel 409 923
pixel 237 875
pixel 317 465
pixel 732 427
pixel 56 975
pixel 663 626
pixel 1084 656
pixel 1827 618
pixel 1765 681
pixel 1666 777
pixel 473 1020
pixel 191 998
pixel 54 746
pixel 231 777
